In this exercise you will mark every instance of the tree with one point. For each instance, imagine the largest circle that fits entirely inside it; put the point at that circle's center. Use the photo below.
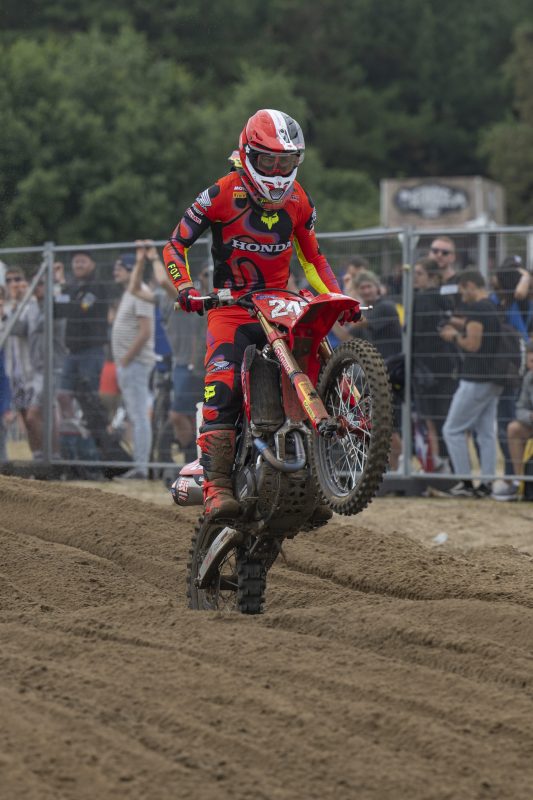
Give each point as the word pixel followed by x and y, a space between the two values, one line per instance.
pixel 509 144
pixel 94 138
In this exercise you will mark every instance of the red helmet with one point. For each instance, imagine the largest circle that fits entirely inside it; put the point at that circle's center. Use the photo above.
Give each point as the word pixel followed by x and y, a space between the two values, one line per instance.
pixel 271 148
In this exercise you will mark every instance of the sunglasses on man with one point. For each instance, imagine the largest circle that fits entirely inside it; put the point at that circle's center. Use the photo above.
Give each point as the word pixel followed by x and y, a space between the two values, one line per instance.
pixel 439 251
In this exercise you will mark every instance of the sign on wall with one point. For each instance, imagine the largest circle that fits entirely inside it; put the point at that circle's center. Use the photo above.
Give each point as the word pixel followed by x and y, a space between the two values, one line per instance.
pixel 435 202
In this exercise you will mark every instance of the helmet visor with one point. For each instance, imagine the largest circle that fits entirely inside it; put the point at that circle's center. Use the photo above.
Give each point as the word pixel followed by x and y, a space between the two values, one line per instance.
pixel 274 163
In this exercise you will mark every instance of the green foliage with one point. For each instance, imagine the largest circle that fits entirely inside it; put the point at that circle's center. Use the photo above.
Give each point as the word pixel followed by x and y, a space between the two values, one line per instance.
pixel 101 130
pixel 108 132
pixel 509 144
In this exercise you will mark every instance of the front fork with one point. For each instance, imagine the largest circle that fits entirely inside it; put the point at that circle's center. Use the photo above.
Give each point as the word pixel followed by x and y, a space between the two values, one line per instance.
pixel 305 391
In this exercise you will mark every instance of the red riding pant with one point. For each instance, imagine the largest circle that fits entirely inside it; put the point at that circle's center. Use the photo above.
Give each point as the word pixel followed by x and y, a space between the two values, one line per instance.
pixel 229 332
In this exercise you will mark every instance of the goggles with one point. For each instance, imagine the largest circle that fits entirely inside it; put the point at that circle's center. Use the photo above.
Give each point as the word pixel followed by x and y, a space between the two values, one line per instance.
pixel 274 163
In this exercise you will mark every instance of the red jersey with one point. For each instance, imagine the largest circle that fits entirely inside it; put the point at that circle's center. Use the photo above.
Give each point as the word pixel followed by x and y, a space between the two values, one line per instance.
pixel 252 248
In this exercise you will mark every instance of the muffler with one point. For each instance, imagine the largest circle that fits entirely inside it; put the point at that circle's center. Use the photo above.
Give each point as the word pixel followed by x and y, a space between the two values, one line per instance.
pixel 187 488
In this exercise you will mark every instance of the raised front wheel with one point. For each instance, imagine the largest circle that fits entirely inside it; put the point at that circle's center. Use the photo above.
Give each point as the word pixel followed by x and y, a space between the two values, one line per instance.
pixel 355 389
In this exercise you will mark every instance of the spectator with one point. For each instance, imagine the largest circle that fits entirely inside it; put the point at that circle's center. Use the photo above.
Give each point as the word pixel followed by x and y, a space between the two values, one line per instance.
pixel 474 403
pixel 340 333
pixel 132 340
pixel 83 303
pixel 17 354
pixel 352 269
pixel 511 289
pixel 6 415
pixel 434 360
pixel 519 431
pixel 381 326
pixel 394 283
pixel 31 327
pixel 442 251
pixel 186 335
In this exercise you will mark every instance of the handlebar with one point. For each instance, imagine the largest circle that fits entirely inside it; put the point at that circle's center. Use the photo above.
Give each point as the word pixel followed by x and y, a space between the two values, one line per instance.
pixel 224 297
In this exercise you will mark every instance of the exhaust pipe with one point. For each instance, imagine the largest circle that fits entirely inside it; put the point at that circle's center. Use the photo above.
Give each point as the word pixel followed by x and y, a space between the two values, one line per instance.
pixel 187 490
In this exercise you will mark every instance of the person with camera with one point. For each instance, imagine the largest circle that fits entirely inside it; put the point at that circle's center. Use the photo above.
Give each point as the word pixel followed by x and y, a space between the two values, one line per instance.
pixel 474 403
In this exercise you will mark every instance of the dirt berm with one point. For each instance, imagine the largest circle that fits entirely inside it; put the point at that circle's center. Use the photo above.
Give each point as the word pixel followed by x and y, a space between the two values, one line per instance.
pixel 386 666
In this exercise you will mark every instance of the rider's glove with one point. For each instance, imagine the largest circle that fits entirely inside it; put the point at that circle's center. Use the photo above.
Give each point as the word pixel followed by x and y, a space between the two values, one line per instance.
pixel 350 315
pixel 188 302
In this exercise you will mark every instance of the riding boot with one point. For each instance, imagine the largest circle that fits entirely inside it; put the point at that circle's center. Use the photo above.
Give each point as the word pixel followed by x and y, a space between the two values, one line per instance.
pixel 218 451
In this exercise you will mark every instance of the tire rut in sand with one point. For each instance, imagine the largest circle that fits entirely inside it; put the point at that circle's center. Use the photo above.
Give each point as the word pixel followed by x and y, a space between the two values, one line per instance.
pixel 112 688
pixel 399 567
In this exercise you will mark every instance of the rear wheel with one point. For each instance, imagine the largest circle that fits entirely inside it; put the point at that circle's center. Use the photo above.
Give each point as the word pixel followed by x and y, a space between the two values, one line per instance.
pixel 355 388
pixel 235 583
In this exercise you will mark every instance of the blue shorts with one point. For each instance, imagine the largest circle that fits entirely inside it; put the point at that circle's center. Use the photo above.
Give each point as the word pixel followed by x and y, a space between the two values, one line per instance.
pixel 188 390
pixel 87 364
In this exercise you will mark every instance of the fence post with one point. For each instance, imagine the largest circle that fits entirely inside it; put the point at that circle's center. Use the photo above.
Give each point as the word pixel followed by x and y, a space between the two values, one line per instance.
pixel 409 240
pixel 48 390
pixel 483 254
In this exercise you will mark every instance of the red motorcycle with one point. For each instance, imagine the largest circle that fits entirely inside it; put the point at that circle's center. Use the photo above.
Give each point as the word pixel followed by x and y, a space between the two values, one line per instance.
pixel 314 434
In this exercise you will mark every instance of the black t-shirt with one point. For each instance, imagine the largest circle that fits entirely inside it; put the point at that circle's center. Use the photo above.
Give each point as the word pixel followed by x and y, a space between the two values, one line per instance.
pixel 479 366
pixel 430 352
pixel 84 306
pixel 384 329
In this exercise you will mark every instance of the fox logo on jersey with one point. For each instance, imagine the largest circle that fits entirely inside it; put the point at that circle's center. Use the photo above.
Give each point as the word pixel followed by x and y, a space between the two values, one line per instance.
pixel 270 220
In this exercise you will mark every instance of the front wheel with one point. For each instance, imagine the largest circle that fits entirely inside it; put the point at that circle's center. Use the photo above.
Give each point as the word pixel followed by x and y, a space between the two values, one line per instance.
pixel 355 389
pixel 235 583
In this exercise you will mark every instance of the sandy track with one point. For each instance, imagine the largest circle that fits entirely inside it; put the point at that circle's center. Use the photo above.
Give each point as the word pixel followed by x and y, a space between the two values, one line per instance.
pixel 383 669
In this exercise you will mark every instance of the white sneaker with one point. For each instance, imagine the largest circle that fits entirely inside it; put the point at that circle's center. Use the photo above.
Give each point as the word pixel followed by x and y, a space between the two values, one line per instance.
pixel 504 490
pixel 134 474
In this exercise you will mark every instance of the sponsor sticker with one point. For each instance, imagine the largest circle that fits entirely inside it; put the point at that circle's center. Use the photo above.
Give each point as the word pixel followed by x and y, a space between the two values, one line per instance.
pixel 209 393
pixel 256 247
pixel 174 271
pixel 218 366
pixel 203 199
pixel 190 213
pixel 182 490
pixel 282 358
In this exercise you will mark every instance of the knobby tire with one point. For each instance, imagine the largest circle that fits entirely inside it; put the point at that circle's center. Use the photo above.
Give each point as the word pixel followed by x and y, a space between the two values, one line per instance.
pixel 238 582
pixel 348 470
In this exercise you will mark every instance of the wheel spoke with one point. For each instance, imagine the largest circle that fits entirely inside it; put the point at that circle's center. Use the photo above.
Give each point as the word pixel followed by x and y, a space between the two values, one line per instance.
pixel 355 390
pixel 349 397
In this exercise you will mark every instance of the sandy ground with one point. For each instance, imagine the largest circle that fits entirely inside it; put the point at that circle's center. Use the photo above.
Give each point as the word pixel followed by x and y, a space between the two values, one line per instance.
pixel 387 666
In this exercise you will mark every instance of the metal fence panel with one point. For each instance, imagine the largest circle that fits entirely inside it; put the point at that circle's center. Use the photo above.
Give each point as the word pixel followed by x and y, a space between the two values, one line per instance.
pixel 389 253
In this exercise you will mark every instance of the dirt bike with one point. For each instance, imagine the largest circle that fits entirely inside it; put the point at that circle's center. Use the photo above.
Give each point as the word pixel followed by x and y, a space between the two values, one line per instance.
pixel 314 432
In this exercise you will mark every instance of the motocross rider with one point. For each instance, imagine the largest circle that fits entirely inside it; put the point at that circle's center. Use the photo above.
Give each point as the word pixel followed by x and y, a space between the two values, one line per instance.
pixel 257 213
